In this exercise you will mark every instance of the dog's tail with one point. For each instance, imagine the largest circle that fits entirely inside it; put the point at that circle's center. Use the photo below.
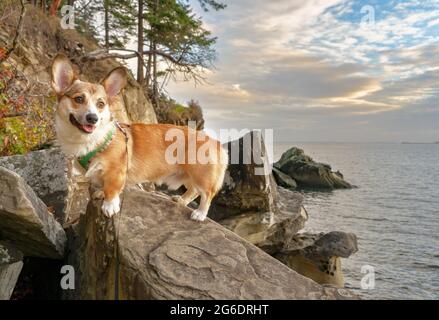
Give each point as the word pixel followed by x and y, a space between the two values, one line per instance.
pixel 223 159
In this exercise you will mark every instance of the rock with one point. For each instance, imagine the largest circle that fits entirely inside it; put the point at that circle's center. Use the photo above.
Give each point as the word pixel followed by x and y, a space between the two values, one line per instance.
pixel 291 219
pixel 270 217
pixel 45 172
pixel 317 256
pixel 270 231
pixel 25 220
pixel 10 267
pixel 9 274
pixel 9 254
pixel 249 202
pixel 248 185
pixel 165 255
pixel 34 53
pixel 77 195
pixel 137 106
pixel 284 180
pixel 308 173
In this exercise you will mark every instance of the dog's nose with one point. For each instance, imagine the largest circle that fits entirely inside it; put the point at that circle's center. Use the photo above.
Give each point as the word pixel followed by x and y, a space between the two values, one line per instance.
pixel 91 118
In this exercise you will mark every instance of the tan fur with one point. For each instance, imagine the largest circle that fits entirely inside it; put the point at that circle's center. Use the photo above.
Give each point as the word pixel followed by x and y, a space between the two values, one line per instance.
pixel 148 163
pixel 146 147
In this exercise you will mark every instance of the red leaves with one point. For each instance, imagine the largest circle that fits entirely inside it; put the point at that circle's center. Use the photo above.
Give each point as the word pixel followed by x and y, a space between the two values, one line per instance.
pixel 2 53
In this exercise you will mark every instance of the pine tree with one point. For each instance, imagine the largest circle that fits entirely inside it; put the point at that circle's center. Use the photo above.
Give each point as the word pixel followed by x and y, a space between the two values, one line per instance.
pixel 173 29
pixel 111 22
pixel 170 38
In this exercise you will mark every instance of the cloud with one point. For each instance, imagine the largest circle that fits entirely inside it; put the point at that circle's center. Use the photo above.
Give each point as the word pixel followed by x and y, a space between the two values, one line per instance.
pixel 310 67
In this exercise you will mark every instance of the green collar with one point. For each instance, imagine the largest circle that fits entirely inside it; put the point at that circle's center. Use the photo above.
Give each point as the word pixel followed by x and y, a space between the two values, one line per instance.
pixel 84 160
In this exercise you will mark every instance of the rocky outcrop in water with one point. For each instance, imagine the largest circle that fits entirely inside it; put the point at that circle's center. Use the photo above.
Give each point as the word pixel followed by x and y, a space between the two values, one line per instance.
pixel 308 173
pixel 283 180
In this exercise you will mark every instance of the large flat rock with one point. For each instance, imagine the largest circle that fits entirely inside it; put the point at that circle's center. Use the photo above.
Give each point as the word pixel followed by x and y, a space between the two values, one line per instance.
pixel 165 255
pixel 25 220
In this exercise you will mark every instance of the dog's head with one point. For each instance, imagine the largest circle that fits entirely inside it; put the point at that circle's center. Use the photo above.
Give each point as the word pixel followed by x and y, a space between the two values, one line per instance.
pixel 84 105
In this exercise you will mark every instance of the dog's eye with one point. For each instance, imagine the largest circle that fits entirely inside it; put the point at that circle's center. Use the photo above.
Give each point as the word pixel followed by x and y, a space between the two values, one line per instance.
pixel 101 104
pixel 79 99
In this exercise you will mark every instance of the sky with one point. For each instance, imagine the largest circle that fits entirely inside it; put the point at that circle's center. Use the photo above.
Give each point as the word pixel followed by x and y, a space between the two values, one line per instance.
pixel 323 70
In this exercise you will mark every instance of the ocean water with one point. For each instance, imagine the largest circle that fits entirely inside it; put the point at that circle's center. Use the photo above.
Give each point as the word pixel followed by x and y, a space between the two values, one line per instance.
pixel 394 212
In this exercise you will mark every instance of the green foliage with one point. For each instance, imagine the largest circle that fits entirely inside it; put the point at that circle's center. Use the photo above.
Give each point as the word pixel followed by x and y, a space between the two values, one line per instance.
pixel 175 29
pixel 170 111
pixel 169 26
pixel 178 108
pixel 215 5
pixel 25 122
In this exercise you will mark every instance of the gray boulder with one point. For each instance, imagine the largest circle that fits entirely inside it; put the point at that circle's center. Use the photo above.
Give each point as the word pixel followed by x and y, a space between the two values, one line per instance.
pixel 249 185
pixel 249 203
pixel 317 256
pixel 45 171
pixel 26 221
pixel 163 254
pixel 271 232
pixel 308 173
pixel 284 180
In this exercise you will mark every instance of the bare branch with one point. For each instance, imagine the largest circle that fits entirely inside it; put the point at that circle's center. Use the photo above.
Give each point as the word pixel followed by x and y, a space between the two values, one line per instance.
pixel 103 55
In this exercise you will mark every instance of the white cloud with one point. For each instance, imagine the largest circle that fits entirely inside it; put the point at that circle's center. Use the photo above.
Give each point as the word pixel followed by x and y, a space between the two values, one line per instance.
pixel 300 59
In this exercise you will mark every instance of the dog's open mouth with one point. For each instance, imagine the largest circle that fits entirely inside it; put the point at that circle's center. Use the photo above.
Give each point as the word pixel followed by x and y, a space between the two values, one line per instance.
pixel 87 128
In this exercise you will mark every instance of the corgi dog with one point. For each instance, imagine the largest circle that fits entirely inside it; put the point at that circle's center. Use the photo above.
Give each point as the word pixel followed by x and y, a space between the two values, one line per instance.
pixel 115 155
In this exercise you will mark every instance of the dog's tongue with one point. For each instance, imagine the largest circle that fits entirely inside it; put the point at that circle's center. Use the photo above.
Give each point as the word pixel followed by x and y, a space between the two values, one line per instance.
pixel 88 128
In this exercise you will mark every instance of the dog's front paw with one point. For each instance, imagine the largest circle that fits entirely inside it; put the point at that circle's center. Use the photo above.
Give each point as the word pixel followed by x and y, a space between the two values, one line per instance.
pixel 112 207
pixel 198 215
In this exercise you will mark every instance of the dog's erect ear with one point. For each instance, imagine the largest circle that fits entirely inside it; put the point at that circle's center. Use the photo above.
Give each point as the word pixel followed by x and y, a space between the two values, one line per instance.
pixel 115 81
pixel 62 73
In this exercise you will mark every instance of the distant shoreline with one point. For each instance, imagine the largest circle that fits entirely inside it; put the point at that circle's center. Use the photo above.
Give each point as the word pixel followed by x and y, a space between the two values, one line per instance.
pixel 405 142
pixel 352 142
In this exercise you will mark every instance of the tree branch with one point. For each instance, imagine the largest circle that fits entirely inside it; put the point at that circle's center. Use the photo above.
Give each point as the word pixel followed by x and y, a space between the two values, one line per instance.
pixel 102 54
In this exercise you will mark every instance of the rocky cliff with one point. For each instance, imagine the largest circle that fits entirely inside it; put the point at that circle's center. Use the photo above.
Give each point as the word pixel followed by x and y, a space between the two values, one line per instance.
pixel 41 38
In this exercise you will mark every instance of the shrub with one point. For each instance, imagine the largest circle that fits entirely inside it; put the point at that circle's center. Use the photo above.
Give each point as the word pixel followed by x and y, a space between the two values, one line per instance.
pixel 25 114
